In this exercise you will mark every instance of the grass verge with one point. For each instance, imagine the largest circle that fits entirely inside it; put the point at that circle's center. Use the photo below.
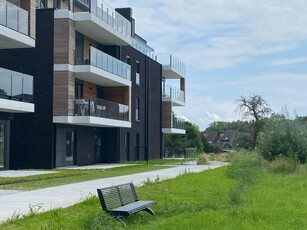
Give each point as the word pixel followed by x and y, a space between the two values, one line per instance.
pixel 69 176
pixel 196 201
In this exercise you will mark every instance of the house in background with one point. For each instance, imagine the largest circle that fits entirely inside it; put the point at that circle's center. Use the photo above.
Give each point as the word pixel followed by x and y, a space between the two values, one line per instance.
pixel 224 140
pixel 98 89
pixel 17 31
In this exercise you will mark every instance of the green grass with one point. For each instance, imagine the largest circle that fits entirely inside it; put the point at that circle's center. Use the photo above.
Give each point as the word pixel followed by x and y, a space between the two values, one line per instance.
pixel 194 201
pixel 68 176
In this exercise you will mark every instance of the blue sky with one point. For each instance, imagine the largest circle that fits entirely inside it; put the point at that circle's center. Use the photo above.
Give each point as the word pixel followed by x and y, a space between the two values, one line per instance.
pixel 231 48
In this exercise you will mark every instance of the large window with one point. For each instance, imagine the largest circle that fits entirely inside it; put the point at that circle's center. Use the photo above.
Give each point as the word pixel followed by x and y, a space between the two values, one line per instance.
pixel 137 109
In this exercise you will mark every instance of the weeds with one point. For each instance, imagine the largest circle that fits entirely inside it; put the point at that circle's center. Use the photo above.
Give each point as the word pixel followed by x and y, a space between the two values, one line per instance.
pixel 245 169
pixel 284 165
pixel 202 159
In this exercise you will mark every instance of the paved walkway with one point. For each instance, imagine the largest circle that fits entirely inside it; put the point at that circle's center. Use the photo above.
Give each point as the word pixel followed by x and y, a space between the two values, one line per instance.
pixel 13 202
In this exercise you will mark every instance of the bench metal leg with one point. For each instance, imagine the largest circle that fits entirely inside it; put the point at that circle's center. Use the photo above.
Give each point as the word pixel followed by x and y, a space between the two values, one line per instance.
pixel 118 218
pixel 149 210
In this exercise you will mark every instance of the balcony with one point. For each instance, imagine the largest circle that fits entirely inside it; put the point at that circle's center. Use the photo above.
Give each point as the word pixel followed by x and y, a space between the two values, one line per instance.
pixel 172 67
pixel 170 93
pixel 16 92
pixel 143 48
pixel 14 27
pixel 97 113
pixel 177 126
pixel 100 68
pixel 102 23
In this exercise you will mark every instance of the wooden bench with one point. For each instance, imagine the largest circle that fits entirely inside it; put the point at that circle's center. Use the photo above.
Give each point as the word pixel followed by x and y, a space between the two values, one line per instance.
pixel 122 200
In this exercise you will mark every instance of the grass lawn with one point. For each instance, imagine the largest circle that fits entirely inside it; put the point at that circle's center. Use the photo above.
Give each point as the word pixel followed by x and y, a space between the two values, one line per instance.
pixel 68 176
pixel 194 201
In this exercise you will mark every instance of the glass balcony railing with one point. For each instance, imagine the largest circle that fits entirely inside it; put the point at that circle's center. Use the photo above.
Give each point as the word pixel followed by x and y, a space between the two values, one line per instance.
pixel 143 48
pixel 105 13
pixel 16 86
pixel 101 108
pixel 178 123
pixel 171 60
pixel 172 92
pixel 14 17
pixel 88 55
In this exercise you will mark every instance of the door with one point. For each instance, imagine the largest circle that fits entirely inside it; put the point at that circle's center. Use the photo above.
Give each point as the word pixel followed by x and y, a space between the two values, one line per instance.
pixel 127 146
pixel 98 148
pixel 2 144
pixel 70 148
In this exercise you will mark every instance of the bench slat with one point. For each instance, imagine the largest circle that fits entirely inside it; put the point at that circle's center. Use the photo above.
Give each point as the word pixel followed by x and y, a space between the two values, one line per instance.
pixel 139 205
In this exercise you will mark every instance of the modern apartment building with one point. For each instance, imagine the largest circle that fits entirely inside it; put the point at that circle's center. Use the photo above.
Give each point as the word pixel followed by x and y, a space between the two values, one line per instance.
pixel 17 30
pixel 97 88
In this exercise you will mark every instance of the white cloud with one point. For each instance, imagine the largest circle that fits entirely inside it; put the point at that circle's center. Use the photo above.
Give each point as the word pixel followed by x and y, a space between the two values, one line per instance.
pixel 289 61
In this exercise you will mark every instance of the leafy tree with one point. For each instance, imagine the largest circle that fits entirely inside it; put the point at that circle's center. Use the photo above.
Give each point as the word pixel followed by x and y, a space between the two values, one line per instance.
pixel 221 126
pixel 254 107
pixel 282 136
pixel 176 144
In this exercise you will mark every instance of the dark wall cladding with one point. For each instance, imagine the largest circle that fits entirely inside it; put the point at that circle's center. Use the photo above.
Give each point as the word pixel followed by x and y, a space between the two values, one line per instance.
pixel 31 134
pixel 150 109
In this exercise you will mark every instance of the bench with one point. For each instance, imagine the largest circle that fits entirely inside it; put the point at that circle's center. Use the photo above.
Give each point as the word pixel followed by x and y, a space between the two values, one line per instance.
pixel 122 200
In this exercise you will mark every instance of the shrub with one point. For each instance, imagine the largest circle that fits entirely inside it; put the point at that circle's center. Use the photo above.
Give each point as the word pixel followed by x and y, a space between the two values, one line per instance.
pixel 202 159
pixel 283 136
pixel 284 165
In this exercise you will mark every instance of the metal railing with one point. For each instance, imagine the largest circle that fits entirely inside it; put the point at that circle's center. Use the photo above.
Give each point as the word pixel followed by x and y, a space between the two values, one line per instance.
pixel 14 17
pixel 178 123
pixel 171 60
pixel 16 86
pixel 107 14
pixel 172 92
pixel 101 108
pixel 88 55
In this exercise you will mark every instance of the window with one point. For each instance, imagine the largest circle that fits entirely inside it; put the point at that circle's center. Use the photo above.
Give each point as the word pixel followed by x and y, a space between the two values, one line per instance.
pixel 137 109
pixel 78 89
pixel 128 60
pixel 137 75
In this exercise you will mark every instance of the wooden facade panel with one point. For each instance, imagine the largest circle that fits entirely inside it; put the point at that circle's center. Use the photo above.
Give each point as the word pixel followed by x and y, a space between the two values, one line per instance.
pixel 166 115
pixel 63 93
pixel 89 90
pixel 64 41
pixel 117 94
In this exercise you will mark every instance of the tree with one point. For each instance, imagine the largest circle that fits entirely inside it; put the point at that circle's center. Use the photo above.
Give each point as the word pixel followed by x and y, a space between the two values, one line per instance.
pixel 176 144
pixel 282 136
pixel 254 107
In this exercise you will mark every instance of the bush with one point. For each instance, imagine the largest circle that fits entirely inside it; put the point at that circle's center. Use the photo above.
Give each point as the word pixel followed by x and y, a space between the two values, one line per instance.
pixel 202 159
pixel 283 136
pixel 284 165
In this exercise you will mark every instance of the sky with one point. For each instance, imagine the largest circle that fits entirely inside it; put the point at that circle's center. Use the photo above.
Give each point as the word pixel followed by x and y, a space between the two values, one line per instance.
pixel 231 48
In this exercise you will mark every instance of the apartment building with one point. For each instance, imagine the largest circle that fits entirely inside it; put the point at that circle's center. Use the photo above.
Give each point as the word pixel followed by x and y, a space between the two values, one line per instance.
pixel 97 87
pixel 17 30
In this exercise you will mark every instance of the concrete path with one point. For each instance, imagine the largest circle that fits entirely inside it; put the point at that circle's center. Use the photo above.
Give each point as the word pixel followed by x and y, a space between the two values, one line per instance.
pixel 14 202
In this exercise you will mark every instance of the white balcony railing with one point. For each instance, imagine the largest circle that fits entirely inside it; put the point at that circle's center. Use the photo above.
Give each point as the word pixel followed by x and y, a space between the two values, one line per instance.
pixel 101 108
pixel 89 55
pixel 171 60
pixel 107 14
pixel 16 86
pixel 172 92
pixel 14 17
